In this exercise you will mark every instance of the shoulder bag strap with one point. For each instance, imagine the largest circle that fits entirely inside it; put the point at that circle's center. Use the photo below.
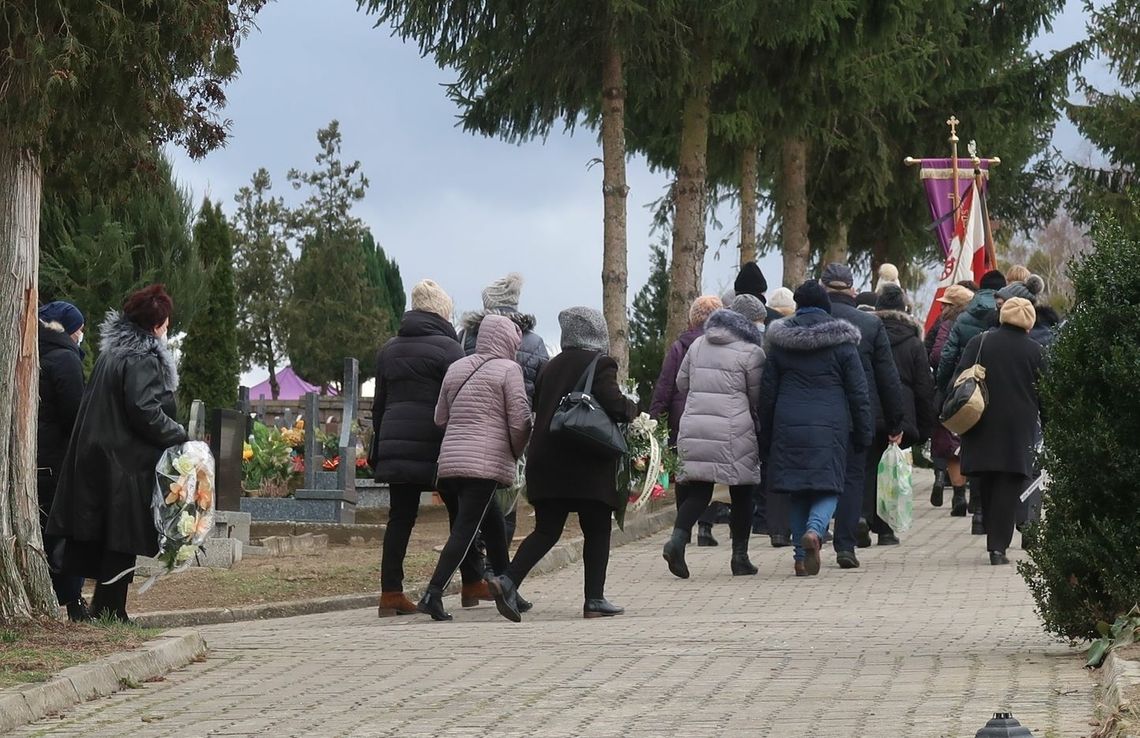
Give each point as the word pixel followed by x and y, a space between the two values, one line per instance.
pixel 586 383
pixel 465 381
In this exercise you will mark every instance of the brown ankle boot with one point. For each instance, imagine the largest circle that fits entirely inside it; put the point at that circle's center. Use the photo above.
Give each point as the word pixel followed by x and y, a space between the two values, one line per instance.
pixel 472 594
pixel 395 603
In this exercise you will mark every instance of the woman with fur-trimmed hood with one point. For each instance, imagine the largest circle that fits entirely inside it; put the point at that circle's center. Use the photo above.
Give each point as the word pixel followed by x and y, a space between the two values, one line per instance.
pixel 720 375
pixel 814 404
pixel 125 421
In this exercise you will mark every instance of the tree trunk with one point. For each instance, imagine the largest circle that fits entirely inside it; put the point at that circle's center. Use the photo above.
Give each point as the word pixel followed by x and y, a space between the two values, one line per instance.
pixel 837 249
pixel 25 583
pixel 615 273
pixel 792 206
pixel 689 194
pixel 749 183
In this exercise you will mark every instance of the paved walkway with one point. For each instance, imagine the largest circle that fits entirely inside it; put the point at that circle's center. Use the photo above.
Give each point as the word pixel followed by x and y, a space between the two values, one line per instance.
pixel 926 639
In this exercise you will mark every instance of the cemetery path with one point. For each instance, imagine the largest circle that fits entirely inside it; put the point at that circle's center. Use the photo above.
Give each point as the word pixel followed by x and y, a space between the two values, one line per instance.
pixel 927 639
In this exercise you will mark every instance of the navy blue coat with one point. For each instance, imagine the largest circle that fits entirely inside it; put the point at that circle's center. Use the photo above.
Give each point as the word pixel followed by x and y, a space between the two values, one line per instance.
pixel 813 402
pixel 883 385
pixel 409 372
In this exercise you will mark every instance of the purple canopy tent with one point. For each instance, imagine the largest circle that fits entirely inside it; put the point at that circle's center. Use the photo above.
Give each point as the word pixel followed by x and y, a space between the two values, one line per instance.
pixel 292 387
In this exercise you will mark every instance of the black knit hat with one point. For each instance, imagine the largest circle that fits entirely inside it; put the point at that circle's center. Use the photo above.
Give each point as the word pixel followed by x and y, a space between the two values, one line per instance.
pixel 891 298
pixel 866 300
pixel 750 281
pixel 993 280
pixel 811 294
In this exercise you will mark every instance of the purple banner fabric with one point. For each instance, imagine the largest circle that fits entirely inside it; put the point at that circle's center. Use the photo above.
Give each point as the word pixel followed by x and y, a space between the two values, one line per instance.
pixel 938 181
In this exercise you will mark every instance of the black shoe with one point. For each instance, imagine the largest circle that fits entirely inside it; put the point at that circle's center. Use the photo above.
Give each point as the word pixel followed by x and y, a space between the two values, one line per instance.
pixel 888 539
pixel 77 611
pixel 739 563
pixel 705 536
pixel 506 597
pixel 939 488
pixel 432 604
pixel 674 553
pixel 523 606
pixel 958 505
pixel 978 525
pixel 779 540
pixel 862 534
pixel 602 608
pixel 847 560
pixel 997 558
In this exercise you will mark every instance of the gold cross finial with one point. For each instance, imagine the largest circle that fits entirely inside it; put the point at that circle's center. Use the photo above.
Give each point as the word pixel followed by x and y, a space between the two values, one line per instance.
pixel 953 123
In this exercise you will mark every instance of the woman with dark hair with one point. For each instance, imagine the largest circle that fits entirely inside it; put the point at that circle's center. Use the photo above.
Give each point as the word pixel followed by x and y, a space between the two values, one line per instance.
pixel 126 420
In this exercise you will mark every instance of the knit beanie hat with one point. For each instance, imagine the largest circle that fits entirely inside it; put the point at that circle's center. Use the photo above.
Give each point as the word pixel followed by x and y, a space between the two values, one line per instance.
pixel 64 313
pixel 751 281
pixel 992 280
pixel 782 301
pixel 702 308
pixel 1017 289
pixel 811 294
pixel 750 307
pixel 503 292
pixel 584 328
pixel 1018 312
pixel 891 298
pixel 888 275
pixel 430 298
pixel 865 301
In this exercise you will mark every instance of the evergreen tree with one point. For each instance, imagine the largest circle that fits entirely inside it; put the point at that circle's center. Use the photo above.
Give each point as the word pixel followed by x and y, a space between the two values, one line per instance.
pixel 384 276
pixel 209 368
pixel 647 322
pixel 263 273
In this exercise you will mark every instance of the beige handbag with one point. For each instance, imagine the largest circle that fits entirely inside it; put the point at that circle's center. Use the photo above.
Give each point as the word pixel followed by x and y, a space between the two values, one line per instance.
pixel 968 398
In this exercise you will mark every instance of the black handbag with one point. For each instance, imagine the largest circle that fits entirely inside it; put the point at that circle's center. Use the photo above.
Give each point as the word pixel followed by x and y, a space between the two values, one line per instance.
pixel 581 419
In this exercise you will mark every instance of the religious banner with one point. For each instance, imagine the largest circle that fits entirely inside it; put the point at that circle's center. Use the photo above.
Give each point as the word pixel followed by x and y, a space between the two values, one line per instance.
pixel 968 257
pixel 938 178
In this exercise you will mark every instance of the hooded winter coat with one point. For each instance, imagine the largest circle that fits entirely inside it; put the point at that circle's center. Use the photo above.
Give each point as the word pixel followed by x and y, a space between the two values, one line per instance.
pixel 814 402
pixel 484 409
pixel 1004 439
pixel 882 376
pixel 1044 331
pixel 61 391
pixel 667 399
pixel 915 377
pixel 721 377
pixel 532 353
pixel 557 469
pixel 125 422
pixel 409 372
pixel 979 316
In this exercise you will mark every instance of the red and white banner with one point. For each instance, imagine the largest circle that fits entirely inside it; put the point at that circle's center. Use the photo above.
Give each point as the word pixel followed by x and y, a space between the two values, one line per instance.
pixel 968 256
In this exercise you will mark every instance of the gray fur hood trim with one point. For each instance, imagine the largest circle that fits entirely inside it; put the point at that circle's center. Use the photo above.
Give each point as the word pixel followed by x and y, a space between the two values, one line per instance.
pixel 726 326
pixel 119 336
pixel 787 334
pixel 900 317
pixel 471 320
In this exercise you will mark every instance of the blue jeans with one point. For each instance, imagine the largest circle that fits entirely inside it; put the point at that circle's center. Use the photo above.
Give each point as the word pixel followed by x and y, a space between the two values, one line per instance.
pixel 810 511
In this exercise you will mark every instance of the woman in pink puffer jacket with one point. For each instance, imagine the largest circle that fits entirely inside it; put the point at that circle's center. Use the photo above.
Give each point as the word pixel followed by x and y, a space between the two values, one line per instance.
pixel 484 409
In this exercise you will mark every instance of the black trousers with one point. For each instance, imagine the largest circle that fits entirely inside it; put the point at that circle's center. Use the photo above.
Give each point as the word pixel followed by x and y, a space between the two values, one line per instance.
pixel 871 485
pixel 473 502
pixel 1000 497
pixel 68 587
pixel 402 513
pixel 549 522
pixel 694 498
pixel 89 560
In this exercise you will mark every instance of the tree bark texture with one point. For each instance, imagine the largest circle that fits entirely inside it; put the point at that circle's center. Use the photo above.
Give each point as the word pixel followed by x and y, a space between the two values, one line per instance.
pixel 792 203
pixel 749 183
pixel 615 271
pixel 690 192
pixel 25 583
pixel 837 249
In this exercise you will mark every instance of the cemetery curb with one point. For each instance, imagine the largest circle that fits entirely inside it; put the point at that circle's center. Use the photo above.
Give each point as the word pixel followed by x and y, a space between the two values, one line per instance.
pixel 1121 688
pixel 562 555
pixel 154 659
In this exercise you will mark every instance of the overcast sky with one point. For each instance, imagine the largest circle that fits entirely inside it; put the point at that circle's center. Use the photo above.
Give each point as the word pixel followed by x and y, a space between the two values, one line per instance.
pixel 458 208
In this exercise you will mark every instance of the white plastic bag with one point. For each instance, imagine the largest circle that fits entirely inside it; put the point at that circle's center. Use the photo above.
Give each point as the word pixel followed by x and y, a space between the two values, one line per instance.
pixel 895 496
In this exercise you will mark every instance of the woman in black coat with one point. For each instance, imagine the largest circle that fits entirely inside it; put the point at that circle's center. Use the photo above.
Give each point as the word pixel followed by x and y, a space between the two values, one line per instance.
pixel 561 477
pixel 999 449
pixel 814 404
pixel 409 372
pixel 913 364
pixel 125 422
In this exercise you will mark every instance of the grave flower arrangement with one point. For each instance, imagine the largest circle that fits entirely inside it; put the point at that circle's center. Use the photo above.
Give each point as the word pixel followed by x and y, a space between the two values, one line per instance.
pixel 644 472
pixel 183 505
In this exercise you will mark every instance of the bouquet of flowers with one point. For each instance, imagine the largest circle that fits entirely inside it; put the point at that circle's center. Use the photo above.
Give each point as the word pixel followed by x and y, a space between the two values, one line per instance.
pixel 183 505
pixel 644 472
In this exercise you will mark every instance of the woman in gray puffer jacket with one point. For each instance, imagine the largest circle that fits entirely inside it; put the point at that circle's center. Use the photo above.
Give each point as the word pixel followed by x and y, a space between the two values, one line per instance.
pixel 717 442
pixel 483 407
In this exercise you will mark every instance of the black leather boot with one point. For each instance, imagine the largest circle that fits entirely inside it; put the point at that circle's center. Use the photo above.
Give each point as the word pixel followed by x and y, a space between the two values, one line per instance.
pixel 506 597
pixel 705 536
pixel 601 608
pixel 978 524
pixel 938 489
pixel 958 504
pixel 110 601
pixel 740 564
pixel 674 553
pixel 432 604
pixel 77 611
pixel 524 605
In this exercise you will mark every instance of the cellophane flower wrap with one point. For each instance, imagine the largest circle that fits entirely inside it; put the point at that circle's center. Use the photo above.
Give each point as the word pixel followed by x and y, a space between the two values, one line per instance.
pixel 183 504
pixel 649 462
